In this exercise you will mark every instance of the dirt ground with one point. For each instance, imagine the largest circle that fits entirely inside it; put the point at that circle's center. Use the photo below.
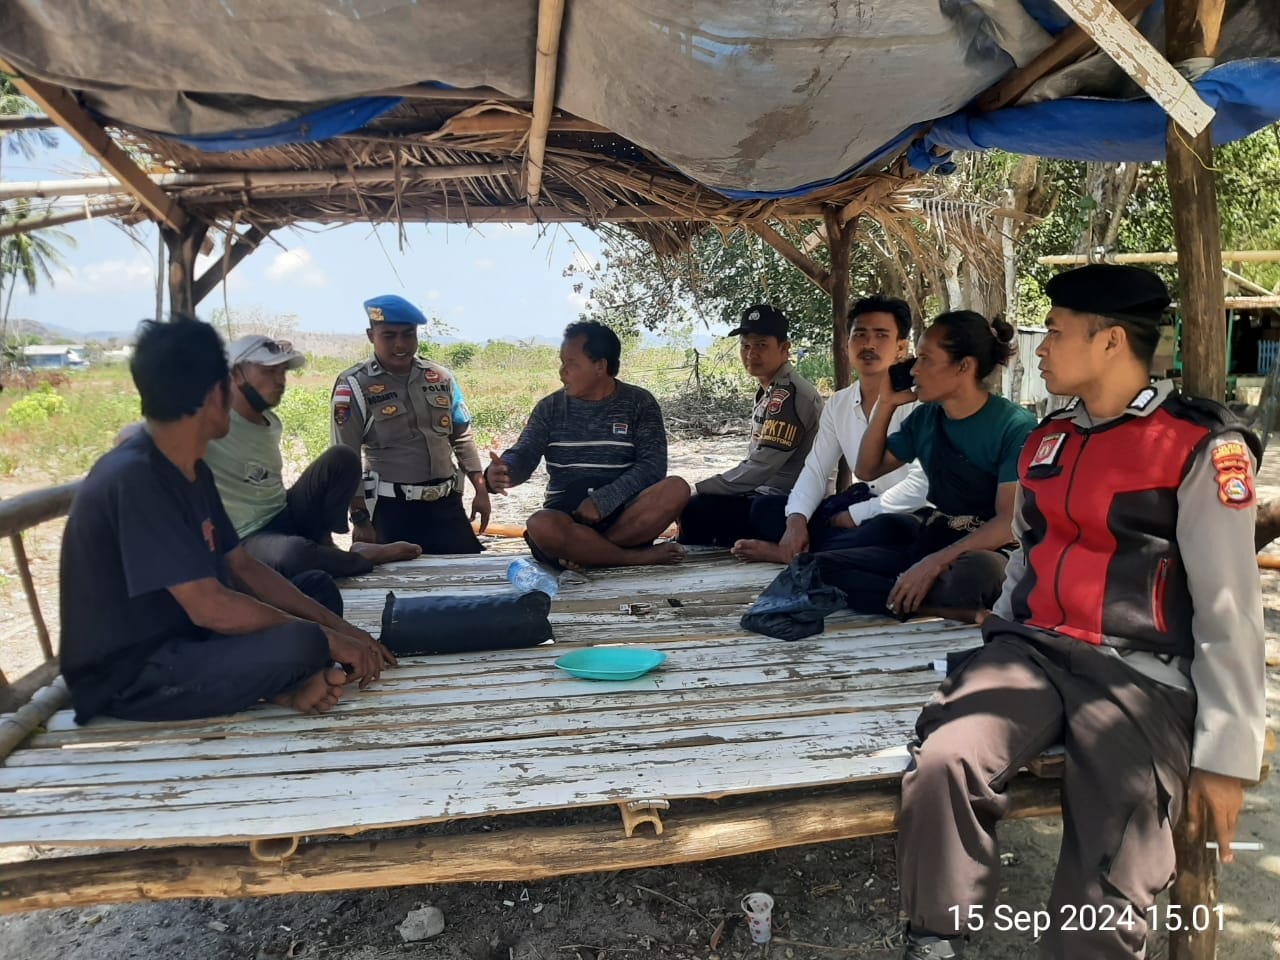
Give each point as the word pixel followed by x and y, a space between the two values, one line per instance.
pixel 834 900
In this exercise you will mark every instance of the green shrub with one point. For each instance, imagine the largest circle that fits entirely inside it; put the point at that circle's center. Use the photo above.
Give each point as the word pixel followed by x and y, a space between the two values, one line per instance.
pixel 304 413
pixel 36 407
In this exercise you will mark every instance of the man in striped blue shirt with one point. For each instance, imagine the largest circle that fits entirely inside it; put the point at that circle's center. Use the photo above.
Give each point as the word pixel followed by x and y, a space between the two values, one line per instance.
pixel 605 445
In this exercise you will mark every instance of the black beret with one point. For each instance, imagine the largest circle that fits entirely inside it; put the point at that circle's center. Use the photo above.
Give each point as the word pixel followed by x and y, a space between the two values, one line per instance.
pixel 1111 290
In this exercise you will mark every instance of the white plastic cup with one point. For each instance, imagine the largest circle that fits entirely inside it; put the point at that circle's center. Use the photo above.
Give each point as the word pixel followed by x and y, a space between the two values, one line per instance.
pixel 759 910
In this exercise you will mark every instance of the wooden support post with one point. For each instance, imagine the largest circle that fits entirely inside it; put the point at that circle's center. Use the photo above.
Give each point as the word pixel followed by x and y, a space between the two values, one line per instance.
pixel 550 19
pixel 29 588
pixel 1192 31
pixel 244 245
pixel 183 248
pixel 804 264
pixel 839 242
pixel 1195 886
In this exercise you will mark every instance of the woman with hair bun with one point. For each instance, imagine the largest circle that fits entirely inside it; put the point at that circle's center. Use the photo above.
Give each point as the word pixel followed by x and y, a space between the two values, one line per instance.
pixel 945 560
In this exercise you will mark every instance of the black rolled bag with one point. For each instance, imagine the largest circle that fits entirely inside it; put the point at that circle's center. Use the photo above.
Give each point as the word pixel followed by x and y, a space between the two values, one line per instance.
pixel 417 626
pixel 795 605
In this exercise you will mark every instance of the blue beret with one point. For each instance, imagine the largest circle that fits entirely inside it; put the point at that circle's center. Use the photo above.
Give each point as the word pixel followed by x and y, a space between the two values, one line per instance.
pixel 393 309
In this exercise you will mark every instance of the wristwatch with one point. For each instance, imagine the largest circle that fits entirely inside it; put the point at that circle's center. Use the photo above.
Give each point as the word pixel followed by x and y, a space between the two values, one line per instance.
pixel 360 517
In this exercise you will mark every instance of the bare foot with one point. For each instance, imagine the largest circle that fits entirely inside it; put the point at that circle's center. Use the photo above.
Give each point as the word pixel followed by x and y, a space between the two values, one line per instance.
pixel 759 551
pixel 379 553
pixel 316 694
pixel 660 554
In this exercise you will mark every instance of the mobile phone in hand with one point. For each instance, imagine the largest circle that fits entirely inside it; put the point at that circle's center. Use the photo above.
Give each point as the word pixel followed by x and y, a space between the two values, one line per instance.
pixel 900 376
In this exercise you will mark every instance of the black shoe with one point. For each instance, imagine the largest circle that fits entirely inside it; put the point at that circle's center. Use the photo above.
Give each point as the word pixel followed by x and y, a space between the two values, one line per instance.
pixel 932 948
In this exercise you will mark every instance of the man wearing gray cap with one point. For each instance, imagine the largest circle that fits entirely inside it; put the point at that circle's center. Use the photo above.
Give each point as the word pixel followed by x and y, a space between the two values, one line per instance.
pixel 1129 631
pixel 290 530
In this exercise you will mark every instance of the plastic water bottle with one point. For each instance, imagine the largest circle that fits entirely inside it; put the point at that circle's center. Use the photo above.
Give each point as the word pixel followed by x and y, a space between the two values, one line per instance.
pixel 528 575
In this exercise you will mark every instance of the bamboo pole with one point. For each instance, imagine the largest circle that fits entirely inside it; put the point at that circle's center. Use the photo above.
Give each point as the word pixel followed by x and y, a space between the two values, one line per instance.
pixel 59 104
pixel 29 588
pixel 525 854
pixel 550 20
pixel 16 727
pixel 31 224
pixel 29 122
pixel 1160 257
pixel 250 179
pixel 29 509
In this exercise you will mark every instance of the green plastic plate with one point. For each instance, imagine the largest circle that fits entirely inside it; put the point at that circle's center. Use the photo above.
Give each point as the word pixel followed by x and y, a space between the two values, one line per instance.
pixel 610 663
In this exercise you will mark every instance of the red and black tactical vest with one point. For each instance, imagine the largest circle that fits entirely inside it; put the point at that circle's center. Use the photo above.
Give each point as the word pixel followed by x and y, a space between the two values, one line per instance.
pixel 1100 509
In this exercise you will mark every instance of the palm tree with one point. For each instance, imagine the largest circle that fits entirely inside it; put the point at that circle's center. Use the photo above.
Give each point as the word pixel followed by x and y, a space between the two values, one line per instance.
pixel 21 142
pixel 27 257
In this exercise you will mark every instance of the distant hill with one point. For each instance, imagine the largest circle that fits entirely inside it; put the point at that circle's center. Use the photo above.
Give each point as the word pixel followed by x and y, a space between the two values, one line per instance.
pixel 52 332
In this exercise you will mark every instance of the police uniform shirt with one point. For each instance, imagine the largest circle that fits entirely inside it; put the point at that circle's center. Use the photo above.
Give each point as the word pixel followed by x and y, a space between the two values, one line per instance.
pixel 783 423
pixel 411 427
pixel 137 528
pixel 1216 513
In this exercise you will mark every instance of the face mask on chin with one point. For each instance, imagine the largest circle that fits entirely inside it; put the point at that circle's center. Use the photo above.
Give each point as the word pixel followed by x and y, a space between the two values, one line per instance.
pixel 254 398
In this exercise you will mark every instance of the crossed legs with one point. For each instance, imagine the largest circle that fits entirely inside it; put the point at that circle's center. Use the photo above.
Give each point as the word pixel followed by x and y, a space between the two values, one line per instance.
pixel 626 542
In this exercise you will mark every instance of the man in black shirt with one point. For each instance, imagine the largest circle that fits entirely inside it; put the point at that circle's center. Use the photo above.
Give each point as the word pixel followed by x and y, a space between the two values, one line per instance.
pixel 165 616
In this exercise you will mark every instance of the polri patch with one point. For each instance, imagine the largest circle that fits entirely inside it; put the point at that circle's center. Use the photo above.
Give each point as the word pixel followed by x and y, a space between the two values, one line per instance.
pixel 776 400
pixel 1233 474
pixel 620 429
pixel 431 376
pixel 1049 450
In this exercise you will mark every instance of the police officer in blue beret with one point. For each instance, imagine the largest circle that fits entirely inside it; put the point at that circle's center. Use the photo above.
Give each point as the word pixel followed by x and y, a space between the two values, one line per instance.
pixel 407 415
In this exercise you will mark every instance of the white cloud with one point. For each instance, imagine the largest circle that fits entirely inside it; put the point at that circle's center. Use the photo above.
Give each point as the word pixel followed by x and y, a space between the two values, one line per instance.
pixel 486 264
pixel 582 301
pixel 109 276
pixel 295 267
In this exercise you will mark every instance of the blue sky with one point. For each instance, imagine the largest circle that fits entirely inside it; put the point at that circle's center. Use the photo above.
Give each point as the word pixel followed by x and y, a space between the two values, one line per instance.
pixel 490 282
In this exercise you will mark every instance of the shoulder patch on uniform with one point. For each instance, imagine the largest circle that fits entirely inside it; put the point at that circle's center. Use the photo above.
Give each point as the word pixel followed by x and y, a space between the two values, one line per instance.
pixel 431 376
pixel 341 403
pixel 777 398
pixel 1233 474
pixel 1143 400
pixel 1049 450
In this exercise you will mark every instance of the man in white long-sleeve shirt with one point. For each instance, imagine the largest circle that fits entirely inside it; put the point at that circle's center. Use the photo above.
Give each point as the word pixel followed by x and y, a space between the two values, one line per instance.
pixel 879 332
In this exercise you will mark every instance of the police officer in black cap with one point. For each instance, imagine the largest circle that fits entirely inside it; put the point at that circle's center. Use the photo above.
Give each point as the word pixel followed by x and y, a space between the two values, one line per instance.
pixel 732 506
pixel 1129 630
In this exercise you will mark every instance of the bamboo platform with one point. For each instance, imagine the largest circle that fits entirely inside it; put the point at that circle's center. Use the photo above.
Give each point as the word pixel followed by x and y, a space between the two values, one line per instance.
pixel 495 734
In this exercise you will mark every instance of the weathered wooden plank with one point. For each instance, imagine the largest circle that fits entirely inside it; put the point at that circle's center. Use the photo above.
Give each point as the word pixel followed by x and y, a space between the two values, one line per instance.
pixel 1133 54
pixel 488 722
pixel 521 854
pixel 348 801
pixel 539 687
pixel 27 788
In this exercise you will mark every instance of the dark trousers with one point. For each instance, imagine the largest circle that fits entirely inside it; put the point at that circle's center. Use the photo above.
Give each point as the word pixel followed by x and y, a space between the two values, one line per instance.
pixel 212 675
pixel 1128 756
pixel 769 520
pixel 300 537
pixel 721 520
pixel 889 545
pixel 437 526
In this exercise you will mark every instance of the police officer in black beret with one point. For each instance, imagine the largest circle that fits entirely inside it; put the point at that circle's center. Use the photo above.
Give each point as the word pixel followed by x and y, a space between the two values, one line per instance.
pixel 1129 630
